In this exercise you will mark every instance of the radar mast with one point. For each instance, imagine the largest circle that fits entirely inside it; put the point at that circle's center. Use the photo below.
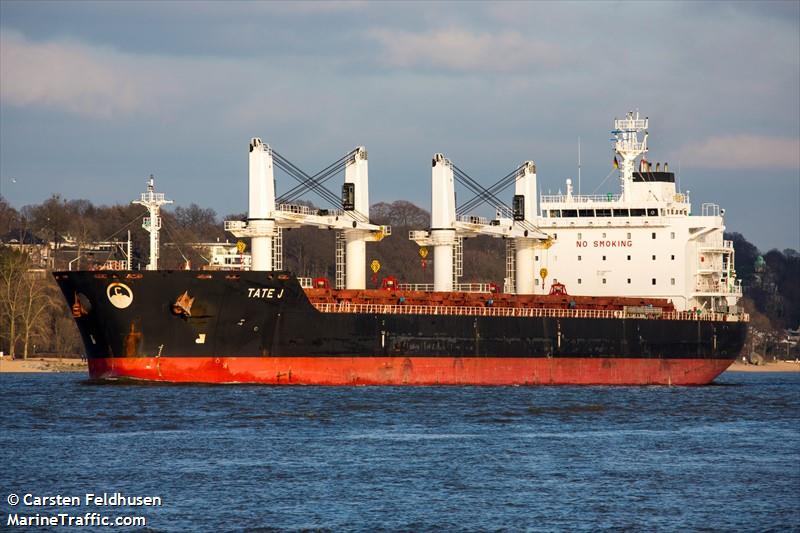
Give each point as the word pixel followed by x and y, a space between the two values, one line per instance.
pixel 152 201
pixel 627 145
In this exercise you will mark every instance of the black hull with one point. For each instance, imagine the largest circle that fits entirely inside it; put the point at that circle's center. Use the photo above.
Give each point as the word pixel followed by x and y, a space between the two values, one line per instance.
pixel 267 315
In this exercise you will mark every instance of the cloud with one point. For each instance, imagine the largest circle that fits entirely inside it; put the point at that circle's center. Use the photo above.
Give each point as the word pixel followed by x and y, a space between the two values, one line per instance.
pixel 461 50
pixel 69 76
pixel 743 152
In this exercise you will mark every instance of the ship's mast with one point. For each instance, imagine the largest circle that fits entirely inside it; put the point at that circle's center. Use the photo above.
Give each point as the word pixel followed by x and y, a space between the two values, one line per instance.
pixel 627 145
pixel 260 220
pixel 356 180
pixel 524 219
pixel 153 201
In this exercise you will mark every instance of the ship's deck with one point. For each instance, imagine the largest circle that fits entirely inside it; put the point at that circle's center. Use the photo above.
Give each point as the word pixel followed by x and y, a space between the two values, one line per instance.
pixel 501 304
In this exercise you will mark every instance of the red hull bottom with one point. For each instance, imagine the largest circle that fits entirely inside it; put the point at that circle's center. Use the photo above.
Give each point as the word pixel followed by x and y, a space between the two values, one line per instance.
pixel 411 370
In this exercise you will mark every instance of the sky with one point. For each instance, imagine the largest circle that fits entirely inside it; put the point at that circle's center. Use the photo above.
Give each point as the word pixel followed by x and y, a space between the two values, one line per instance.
pixel 95 96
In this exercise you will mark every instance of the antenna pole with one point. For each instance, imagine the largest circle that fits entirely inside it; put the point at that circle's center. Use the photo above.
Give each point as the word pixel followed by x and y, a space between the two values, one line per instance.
pixel 627 144
pixel 579 166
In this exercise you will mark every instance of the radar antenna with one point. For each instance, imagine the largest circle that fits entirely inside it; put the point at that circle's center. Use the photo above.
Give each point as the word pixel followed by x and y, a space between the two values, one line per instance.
pixel 627 145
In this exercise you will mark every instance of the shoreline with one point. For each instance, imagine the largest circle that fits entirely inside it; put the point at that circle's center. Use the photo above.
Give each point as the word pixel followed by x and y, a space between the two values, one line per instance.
pixel 41 365
pixel 54 364
pixel 779 366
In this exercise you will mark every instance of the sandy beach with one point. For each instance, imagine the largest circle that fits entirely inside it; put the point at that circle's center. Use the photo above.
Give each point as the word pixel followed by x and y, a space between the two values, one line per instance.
pixel 780 366
pixel 41 364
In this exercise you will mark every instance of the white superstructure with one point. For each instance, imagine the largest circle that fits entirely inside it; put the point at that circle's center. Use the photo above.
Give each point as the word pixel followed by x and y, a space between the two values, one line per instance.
pixel 643 242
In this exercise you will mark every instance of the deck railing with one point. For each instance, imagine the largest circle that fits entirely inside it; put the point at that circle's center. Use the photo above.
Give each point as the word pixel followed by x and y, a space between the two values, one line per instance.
pixel 411 309
pixel 460 287
pixel 580 198
pixel 727 289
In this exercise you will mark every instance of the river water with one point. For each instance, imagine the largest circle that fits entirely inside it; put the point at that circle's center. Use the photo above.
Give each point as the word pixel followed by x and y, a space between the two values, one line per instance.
pixel 255 458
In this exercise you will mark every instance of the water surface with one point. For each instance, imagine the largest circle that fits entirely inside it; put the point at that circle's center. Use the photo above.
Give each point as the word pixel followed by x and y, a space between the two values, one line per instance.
pixel 243 458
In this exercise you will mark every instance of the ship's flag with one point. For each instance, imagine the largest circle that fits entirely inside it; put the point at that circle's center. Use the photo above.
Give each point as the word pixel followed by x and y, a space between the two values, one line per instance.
pixel 616 163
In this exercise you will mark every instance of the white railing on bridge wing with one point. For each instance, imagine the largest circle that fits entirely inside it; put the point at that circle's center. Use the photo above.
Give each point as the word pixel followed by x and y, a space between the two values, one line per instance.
pixel 717 244
pixel 727 289
pixel 305 283
pixel 580 199
pixel 710 210
pixel 385 309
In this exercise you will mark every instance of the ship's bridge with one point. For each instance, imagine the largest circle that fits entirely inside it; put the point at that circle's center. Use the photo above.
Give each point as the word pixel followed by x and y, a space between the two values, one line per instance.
pixel 611 209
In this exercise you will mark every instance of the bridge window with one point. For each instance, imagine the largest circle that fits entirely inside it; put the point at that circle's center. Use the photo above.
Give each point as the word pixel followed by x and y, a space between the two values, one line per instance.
pixel 652 212
pixel 620 212
pixel 569 213
pixel 586 212
pixel 555 213
pixel 637 212
pixel 602 212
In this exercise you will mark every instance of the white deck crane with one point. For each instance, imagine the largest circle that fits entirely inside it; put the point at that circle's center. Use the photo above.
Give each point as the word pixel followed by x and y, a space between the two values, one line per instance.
pixel 447 227
pixel 266 217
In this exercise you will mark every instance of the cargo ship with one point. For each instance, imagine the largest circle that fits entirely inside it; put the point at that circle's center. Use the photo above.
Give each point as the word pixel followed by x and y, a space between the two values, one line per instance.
pixel 627 289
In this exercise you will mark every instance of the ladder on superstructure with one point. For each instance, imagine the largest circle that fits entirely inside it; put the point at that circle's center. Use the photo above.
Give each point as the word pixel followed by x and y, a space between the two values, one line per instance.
pixel 277 249
pixel 510 282
pixel 458 260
